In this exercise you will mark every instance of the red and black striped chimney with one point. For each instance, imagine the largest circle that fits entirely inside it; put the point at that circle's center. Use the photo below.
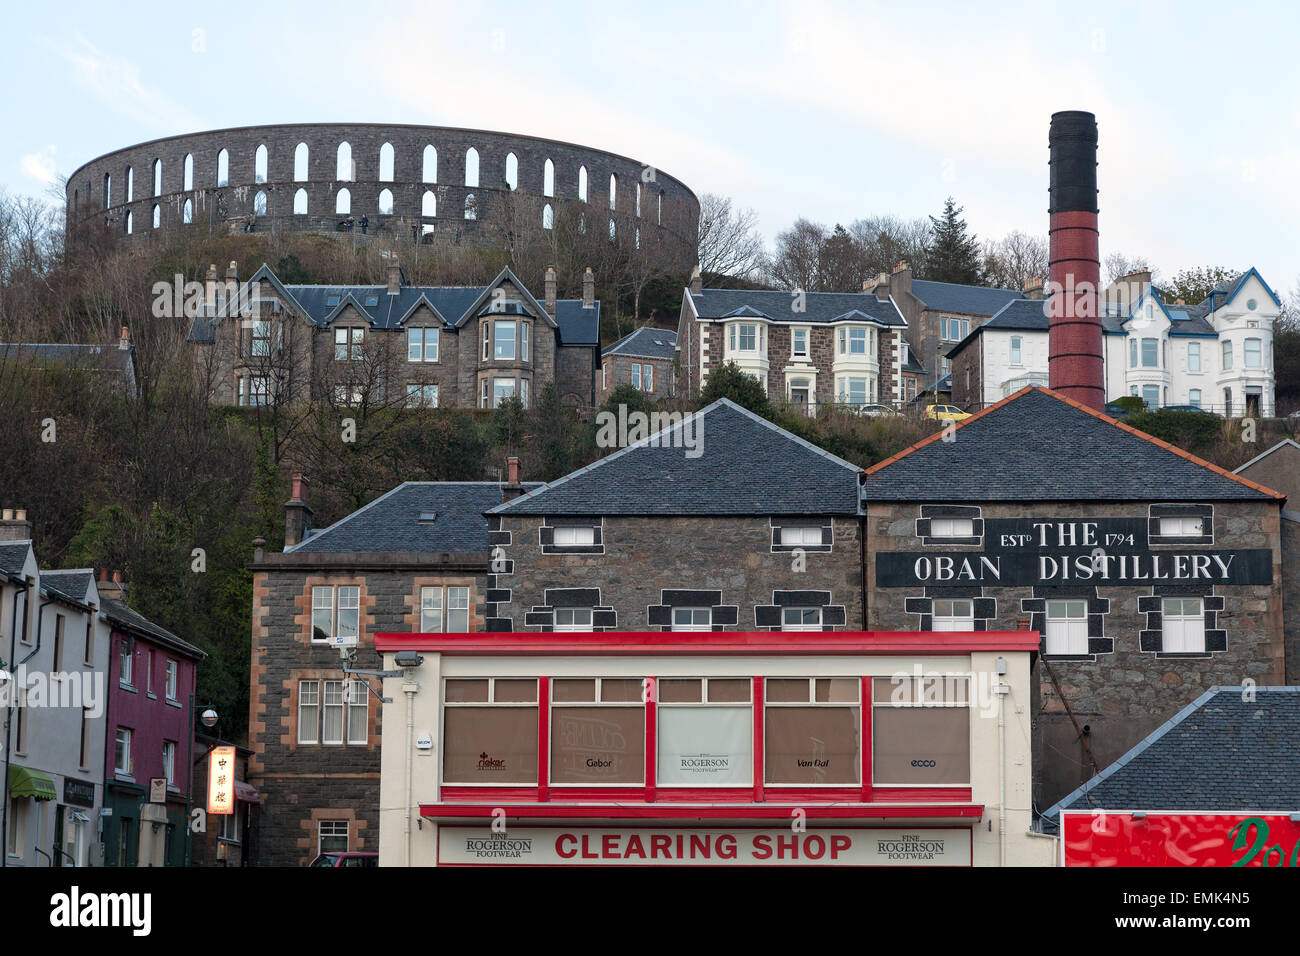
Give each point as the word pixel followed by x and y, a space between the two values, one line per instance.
pixel 1074 362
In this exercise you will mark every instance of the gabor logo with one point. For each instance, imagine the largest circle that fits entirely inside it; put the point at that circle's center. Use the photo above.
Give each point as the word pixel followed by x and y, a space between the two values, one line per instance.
pixel 74 909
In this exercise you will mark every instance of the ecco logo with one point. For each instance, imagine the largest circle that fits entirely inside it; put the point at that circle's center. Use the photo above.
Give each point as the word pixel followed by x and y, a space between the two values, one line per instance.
pixel 922 763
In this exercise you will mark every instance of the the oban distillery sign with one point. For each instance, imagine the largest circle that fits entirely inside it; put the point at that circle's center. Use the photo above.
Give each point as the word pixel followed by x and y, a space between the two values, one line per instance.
pixel 1045 551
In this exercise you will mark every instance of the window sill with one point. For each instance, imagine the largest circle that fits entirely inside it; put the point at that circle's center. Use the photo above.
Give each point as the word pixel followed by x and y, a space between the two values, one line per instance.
pixel 172 702
pixel 151 695
pixel 130 688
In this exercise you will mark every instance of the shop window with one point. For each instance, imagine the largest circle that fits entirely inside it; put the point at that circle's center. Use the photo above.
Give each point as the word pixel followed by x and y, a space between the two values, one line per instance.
pixel 335 613
pixel 387 158
pixel 705 732
pixel 920 731
pixel 489 731
pixel 1067 627
pixel 332 836
pixel 430 164
pixel 812 731
pixel 597 731
pixel 548 180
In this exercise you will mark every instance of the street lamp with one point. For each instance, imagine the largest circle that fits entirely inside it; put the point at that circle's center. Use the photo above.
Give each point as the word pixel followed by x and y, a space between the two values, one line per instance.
pixel 209 719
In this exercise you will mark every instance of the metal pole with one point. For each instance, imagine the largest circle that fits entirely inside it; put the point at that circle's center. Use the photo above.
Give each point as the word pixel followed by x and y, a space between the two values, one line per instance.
pixel 189 783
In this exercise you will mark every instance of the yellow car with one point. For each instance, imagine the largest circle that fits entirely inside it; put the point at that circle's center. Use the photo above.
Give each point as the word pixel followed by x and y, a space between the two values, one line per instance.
pixel 945 413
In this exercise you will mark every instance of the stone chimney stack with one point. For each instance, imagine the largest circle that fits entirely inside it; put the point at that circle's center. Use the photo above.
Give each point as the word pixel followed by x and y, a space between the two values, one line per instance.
pixel 901 280
pixel 513 488
pixel 697 281
pixel 110 586
pixel 550 290
pixel 14 525
pixel 394 276
pixel 232 272
pixel 297 513
pixel 588 289
pixel 124 342
pixel 1033 287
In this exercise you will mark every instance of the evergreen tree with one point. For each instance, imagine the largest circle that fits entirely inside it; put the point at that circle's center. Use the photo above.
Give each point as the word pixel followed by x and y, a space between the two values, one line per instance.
pixel 953 255
pixel 728 381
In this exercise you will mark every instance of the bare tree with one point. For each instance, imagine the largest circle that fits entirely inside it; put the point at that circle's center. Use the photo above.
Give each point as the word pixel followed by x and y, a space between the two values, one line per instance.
pixel 1118 264
pixel 796 263
pixel 1014 259
pixel 729 244
pixel 887 240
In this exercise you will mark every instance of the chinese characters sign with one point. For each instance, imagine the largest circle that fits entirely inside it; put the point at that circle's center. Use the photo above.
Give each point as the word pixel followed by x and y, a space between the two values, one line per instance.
pixel 221 780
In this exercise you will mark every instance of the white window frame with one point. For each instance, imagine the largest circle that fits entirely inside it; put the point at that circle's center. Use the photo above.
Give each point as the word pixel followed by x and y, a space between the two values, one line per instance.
pixel 693 624
pixel 954 621
pixel 801 536
pixel 1067 626
pixel 798 334
pixel 356 715
pixel 1194 397
pixel 122 748
pixel 1258 353
pixel 1193 356
pixel 1155 352
pixel 169 763
pixel 333 834
pixel 422 344
pixel 456 611
pixel 952 528
pixel 341 598
pixel 431 610
pixel 127 657
pixel 1227 356
pixel 1016 356
pixel 1182 632
pixel 1182 526
pixel 331 703
pixel 498 340
pixel 574 536
pixel 309 700
pixel 803 625
pixel 172 671
pixel 576 619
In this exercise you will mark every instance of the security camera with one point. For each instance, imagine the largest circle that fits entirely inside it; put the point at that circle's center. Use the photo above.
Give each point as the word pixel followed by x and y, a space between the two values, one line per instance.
pixel 408 659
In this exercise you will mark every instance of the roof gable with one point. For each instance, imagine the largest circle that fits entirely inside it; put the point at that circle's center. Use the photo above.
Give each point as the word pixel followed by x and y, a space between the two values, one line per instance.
pixel 505 275
pixel 1038 445
pixel 722 460
pixel 646 342
pixel 795 308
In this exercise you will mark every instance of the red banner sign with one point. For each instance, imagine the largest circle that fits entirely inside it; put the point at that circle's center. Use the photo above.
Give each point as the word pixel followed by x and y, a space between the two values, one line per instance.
pixel 1132 838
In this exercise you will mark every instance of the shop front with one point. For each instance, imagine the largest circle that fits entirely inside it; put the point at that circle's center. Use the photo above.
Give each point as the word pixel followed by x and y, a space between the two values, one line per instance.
pixel 720 748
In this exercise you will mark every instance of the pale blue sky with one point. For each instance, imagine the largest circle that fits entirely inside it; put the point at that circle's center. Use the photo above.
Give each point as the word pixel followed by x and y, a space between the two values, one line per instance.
pixel 831 111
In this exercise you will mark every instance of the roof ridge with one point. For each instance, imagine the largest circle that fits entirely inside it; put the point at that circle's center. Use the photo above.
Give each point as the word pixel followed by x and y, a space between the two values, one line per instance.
pixel 345 518
pixel 1268 451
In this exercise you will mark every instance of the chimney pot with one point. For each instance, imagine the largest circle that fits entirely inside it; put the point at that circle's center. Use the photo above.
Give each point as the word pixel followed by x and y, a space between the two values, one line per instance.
pixel 549 285
pixel 902 264
pixel 697 281
pixel 232 270
pixel 7 514
pixel 513 489
pixel 588 289
pixel 117 577
pixel 394 276
pixel 297 513
pixel 14 525
pixel 20 514
pixel 1179 302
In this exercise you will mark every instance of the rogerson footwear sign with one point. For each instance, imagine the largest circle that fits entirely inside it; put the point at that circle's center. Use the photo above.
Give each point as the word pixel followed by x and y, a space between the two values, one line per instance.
pixel 1038 552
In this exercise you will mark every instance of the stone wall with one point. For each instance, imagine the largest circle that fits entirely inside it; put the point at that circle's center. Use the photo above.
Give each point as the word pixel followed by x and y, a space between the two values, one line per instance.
pixel 1123 693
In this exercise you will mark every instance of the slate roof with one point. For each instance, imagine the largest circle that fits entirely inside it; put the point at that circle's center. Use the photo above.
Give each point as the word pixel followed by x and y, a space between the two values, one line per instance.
pixel 391 523
pixel 73 585
pixel 966 299
pixel 745 466
pixel 820 307
pixel 646 342
pixel 1220 752
pixel 100 358
pixel 123 616
pixel 13 555
pixel 1038 445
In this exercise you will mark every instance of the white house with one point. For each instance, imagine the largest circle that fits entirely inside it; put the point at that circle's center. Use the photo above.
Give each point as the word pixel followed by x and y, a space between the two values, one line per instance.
pixel 1217 355
pixel 54 648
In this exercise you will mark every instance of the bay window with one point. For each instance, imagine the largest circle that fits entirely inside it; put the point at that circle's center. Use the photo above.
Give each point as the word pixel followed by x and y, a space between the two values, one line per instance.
pixel 490 731
pixel 854 390
pixel 1227 356
pixel 1251 353
pixel 504 335
pixel 1150 353
pixel 854 341
pixel 812 731
pixel 705 733
pixel 1151 396
pixel 744 337
pixel 597 731
pixel 502 389
pixel 920 729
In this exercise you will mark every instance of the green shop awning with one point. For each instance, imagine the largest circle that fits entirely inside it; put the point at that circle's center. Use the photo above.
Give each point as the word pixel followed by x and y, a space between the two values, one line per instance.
pixel 25 782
